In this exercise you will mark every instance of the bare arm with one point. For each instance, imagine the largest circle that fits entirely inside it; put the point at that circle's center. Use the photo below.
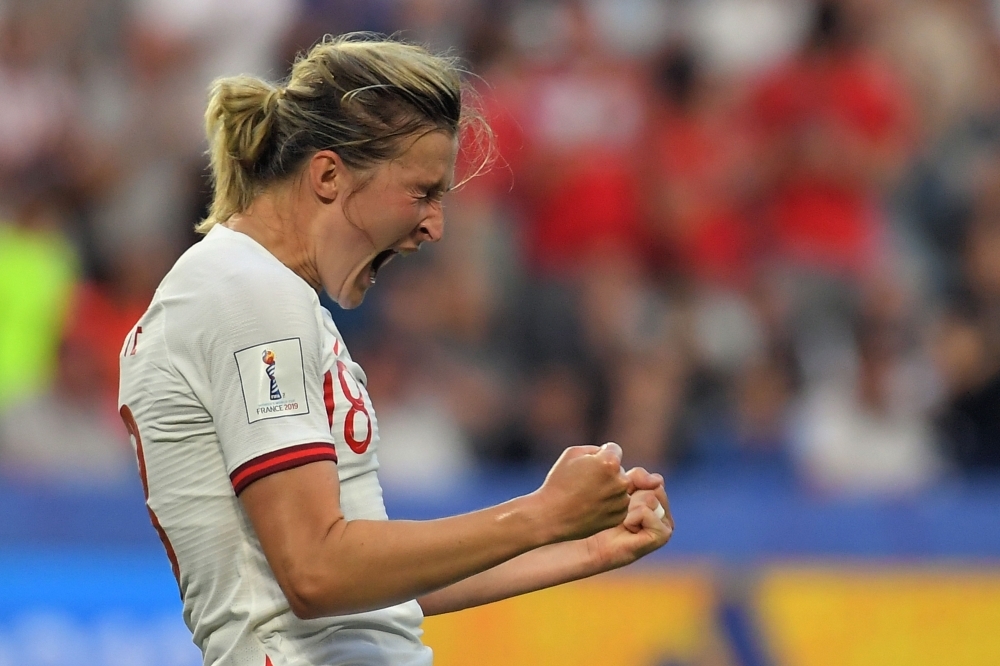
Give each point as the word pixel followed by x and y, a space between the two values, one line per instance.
pixel 641 533
pixel 327 565
pixel 538 569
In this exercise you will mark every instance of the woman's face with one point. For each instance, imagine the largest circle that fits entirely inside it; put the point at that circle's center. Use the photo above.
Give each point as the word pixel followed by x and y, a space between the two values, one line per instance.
pixel 397 208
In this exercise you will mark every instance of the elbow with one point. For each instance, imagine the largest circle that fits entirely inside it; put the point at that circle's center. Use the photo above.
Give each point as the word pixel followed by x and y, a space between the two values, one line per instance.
pixel 314 594
pixel 303 608
pixel 307 594
pixel 303 612
pixel 314 587
pixel 302 605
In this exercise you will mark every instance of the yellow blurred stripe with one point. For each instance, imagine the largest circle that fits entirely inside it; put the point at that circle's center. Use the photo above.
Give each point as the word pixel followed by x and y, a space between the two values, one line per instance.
pixel 611 620
pixel 843 616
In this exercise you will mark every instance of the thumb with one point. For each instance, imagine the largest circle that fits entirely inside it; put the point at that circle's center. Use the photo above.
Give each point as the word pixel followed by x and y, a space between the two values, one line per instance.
pixel 611 449
pixel 611 453
pixel 577 451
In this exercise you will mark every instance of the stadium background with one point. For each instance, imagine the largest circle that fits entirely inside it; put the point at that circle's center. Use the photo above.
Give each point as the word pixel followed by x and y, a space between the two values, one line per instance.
pixel 756 242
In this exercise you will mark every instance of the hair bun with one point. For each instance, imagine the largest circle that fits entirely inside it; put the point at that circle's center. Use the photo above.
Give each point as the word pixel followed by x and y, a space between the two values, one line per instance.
pixel 239 122
pixel 357 94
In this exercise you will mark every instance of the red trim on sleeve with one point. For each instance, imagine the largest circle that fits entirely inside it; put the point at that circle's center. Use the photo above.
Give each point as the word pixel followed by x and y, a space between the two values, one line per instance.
pixel 279 461
pixel 328 396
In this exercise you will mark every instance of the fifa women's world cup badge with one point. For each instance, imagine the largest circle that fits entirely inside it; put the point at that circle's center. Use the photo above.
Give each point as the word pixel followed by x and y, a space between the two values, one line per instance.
pixel 273 379
pixel 270 368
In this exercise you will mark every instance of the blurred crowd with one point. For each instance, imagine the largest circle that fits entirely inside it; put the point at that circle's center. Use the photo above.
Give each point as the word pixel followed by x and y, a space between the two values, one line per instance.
pixel 723 233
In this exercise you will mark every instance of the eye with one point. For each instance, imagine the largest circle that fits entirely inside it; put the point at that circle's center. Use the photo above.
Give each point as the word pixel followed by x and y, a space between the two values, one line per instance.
pixel 433 195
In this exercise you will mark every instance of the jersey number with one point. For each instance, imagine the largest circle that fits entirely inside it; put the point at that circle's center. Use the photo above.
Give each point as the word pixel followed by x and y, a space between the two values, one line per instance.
pixel 133 342
pixel 133 430
pixel 358 407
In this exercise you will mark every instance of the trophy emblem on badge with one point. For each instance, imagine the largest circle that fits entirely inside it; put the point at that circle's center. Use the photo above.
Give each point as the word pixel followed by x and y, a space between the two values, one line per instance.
pixel 269 368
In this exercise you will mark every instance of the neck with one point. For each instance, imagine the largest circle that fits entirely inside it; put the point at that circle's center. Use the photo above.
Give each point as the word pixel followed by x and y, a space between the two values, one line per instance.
pixel 298 230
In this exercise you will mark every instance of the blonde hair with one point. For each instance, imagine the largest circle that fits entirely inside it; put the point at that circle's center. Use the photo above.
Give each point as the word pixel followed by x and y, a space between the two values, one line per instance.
pixel 357 94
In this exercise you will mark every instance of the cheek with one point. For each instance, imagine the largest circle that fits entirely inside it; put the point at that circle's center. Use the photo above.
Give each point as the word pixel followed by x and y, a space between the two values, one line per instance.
pixel 395 220
pixel 386 213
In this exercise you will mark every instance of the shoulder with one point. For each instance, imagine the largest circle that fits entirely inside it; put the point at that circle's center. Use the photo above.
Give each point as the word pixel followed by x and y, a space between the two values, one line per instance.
pixel 228 293
pixel 228 269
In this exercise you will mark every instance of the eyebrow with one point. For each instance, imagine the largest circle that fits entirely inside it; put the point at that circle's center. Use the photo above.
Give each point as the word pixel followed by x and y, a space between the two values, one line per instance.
pixel 437 186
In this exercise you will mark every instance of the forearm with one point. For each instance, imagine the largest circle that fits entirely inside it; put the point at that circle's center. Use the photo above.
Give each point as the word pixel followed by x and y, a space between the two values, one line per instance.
pixel 643 531
pixel 537 569
pixel 362 565
pixel 328 565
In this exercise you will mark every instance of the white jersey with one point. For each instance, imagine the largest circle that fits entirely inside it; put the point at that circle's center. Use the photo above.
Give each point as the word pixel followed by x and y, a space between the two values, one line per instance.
pixel 235 372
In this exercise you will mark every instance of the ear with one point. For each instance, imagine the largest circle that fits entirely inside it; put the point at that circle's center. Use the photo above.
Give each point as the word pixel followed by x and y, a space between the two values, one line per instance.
pixel 327 175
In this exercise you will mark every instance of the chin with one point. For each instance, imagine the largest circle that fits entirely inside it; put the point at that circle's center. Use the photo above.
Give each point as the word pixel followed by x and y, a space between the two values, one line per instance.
pixel 350 305
pixel 351 300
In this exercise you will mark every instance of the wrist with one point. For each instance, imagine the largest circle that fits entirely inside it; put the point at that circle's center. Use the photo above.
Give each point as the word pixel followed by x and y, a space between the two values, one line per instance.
pixel 598 554
pixel 535 523
pixel 606 552
pixel 595 555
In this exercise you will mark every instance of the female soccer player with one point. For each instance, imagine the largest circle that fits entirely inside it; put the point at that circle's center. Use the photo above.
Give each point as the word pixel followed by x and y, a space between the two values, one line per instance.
pixel 253 429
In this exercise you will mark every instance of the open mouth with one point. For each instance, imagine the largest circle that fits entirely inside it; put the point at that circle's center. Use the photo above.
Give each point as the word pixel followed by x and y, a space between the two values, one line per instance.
pixel 380 260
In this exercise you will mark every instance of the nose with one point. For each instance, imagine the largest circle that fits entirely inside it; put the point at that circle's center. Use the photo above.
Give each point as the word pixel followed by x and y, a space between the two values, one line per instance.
pixel 431 229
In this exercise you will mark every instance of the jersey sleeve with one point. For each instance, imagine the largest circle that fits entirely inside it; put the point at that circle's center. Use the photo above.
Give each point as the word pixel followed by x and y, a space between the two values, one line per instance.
pixel 262 377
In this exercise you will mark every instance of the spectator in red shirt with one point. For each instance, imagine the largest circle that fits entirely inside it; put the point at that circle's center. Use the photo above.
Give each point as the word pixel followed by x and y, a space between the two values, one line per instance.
pixel 581 118
pixel 698 176
pixel 835 125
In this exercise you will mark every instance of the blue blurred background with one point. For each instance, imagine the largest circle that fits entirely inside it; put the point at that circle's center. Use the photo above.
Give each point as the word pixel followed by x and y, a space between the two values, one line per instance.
pixel 756 242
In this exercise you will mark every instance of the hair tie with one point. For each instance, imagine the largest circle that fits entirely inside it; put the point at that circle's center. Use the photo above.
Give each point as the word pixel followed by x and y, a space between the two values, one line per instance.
pixel 275 96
